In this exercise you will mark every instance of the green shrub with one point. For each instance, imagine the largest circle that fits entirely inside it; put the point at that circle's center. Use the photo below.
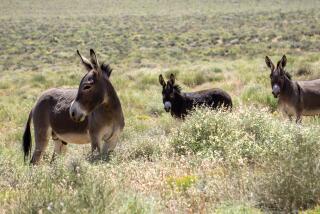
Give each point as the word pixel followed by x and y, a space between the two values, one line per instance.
pixel 198 77
pixel 285 156
pixel 181 183
pixel 213 132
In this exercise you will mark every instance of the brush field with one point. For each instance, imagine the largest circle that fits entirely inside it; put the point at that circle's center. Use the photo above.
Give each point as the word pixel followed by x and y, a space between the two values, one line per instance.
pixel 252 160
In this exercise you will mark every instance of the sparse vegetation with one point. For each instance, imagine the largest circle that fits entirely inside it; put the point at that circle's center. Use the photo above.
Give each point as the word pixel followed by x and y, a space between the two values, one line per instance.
pixel 252 160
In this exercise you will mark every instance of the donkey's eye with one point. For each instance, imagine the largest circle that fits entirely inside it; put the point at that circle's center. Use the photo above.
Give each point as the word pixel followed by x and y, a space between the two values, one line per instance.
pixel 86 87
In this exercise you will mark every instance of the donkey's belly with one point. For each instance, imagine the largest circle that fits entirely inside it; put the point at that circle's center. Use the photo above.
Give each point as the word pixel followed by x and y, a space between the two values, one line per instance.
pixel 74 138
pixel 312 112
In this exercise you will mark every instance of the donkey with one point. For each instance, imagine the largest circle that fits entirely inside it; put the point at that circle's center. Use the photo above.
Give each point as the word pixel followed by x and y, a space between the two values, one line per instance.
pixel 179 104
pixel 90 114
pixel 296 98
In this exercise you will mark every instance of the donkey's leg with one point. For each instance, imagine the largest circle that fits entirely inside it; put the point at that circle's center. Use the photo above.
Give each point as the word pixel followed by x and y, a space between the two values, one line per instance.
pixel 41 141
pixel 110 143
pixel 286 113
pixel 95 142
pixel 298 118
pixel 60 147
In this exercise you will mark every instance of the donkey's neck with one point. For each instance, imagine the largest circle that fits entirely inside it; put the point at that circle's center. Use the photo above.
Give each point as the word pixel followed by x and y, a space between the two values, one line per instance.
pixel 180 105
pixel 288 89
pixel 112 99
pixel 111 104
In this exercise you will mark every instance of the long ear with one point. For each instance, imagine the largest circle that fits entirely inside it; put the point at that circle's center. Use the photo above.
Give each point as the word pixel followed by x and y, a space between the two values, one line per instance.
pixel 172 79
pixel 87 64
pixel 283 62
pixel 94 60
pixel 161 80
pixel 269 63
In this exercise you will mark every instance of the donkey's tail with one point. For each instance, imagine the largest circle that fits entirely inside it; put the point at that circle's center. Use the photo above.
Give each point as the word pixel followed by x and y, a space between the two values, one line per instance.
pixel 26 139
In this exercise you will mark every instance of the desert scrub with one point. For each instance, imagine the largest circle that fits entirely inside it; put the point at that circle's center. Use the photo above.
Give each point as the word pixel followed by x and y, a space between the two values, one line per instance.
pixel 285 156
pixel 290 179
pixel 140 147
pixel 236 208
pixel 247 131
pixel 76 187
pixel 213 132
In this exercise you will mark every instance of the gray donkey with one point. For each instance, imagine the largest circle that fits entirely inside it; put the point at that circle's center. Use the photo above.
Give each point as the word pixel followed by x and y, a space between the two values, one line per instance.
pixel 296 98
pixel 90 114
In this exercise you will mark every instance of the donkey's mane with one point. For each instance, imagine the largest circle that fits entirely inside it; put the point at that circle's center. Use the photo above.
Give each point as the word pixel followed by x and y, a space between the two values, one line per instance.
pixel 177 88
pixel 106 68
pixel 288 75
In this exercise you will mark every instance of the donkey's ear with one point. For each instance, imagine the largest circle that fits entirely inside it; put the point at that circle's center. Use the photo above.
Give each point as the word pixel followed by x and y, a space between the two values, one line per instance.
pixel 283 62
pixel 87 64
pixel 172 79
pixel 161 80
pixel 93 58
pixel 269 63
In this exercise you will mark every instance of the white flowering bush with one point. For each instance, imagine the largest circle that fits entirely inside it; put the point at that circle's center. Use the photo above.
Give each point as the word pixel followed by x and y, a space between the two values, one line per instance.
pixel 284 156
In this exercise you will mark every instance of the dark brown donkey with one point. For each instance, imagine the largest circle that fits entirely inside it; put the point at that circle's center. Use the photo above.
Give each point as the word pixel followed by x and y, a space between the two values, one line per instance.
pixel 90 114
pixel 179 103
pixel 296 98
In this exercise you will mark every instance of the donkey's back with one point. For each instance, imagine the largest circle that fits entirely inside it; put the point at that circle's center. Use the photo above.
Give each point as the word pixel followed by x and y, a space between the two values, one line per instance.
pixel 214 98
pixel 310 85
pixel 310 97
pixel 50 116
pixel 52 111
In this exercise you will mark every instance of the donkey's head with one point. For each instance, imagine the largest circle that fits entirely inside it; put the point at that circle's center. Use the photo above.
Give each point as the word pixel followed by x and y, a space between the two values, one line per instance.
pixel 92 89
pixel 277 75
pixel 169 91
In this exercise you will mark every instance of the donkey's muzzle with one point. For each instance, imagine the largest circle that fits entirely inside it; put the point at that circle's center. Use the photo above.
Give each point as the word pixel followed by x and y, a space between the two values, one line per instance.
pixel 76 117
pixel 275 90
pixel 76 113
pixel 167 106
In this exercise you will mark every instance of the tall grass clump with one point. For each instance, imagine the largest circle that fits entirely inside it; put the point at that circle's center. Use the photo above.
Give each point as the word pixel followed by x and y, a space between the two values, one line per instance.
pixel 258 95
pixel 283 157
